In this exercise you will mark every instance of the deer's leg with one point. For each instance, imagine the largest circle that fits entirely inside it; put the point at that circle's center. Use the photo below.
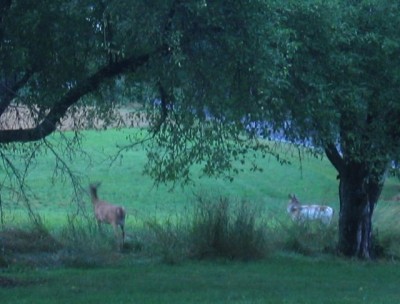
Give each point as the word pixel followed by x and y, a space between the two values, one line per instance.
pixel 123 234
pixel 115 226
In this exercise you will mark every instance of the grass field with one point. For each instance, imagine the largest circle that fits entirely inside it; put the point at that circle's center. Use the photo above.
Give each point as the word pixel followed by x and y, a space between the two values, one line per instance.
pixel 276 280
pixel 123 182
pixel 130 277
pixel 314 180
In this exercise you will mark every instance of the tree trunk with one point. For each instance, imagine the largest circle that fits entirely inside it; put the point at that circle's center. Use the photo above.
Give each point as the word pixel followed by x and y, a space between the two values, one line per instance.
pixel 358 194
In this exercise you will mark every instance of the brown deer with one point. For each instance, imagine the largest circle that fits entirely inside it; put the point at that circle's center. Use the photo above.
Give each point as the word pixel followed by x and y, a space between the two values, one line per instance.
pixel 108 213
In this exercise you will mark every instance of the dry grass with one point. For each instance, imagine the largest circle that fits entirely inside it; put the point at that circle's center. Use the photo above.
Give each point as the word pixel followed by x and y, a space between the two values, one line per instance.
pixel 77 118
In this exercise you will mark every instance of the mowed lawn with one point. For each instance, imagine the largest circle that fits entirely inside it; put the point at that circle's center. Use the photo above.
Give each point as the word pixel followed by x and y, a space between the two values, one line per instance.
pixel 274 280
pixel 280 278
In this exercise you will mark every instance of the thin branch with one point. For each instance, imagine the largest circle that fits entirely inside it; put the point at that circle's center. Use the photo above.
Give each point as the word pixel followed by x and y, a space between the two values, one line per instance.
pixel 123 148
pixel 166 107
pixel 21 185
pixel 75 180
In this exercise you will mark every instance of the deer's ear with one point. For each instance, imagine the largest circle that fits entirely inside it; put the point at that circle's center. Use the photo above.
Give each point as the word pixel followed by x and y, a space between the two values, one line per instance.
pixel 95 185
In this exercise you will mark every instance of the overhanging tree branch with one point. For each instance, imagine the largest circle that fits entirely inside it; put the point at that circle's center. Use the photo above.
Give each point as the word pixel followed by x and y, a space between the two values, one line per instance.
pixel 59 109
pixel 334 157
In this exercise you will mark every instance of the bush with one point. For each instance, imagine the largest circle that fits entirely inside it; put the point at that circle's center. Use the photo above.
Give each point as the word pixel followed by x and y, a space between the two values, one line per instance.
pixel 209 229
pixel 84 234
pixel 214 228
pixel 85 245
pixel 222 229
pixel 386 235
pixel 32 239
pixel 309 238
pixel 386 244
pixel 168 240
pixel 30 246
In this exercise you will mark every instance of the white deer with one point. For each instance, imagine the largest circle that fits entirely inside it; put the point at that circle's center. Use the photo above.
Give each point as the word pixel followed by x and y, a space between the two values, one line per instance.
pixel 302 213
pixel 108 213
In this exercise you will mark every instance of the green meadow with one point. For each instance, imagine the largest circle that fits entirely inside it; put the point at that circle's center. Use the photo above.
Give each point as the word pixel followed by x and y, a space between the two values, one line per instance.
pixel 123 182
pixel 73 262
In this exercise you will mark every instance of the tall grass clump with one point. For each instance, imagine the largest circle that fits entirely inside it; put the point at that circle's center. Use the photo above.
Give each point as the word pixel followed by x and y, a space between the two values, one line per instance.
pixel 85 244
pixel 308 238
pixel 386 241
pixel 221 228
pixel 27 240
pixel 29 245
pixel 211 228
pixel 168 240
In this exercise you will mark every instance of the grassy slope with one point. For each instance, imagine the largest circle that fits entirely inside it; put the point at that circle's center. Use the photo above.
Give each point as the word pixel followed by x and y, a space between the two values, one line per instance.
pixel 123 183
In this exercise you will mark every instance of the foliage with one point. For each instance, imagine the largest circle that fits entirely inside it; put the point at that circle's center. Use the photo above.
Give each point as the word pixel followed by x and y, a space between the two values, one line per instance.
pixel 168 240
pixel 171 211
pixel 212 228
pixel 15 241
pixel 85 245
pixel 325 75
pixel 160 222
pixel 343 77
pixel 309 238
pixel 223 229
pixel 219 77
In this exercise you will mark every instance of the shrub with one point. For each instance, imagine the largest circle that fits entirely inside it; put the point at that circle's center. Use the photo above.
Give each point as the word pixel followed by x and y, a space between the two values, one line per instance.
pixel 386 244
pixel 29 246
pixel 213 228
pixel 249 234
pixel 209 228
pixel 309 238
pixel 83 233
pixel 386 236
pixel 167 240
pixel 222 229
pixel 85 245
pixel 31 239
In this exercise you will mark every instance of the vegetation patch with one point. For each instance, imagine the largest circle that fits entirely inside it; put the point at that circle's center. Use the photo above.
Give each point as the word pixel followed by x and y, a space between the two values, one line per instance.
pixel 8 282
pixel 309 239
pixel 36 239
pixel 221 228
pixel 212 228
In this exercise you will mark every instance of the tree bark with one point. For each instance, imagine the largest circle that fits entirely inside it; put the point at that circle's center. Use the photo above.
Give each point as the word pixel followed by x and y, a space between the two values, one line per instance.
pixel 355 226
pixel 359 191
